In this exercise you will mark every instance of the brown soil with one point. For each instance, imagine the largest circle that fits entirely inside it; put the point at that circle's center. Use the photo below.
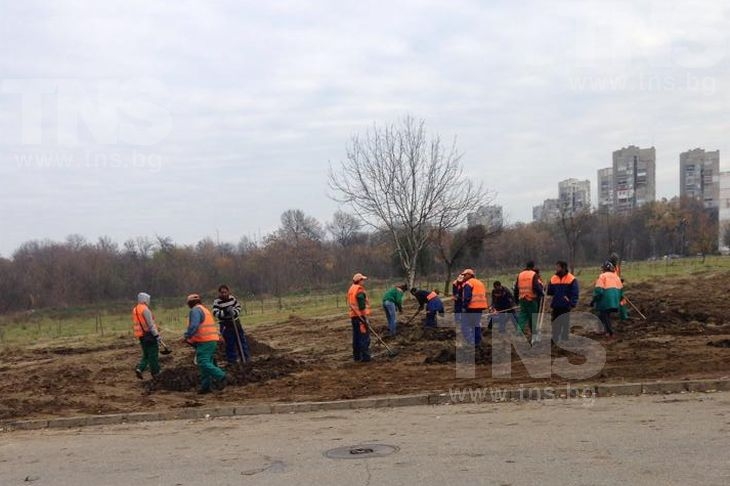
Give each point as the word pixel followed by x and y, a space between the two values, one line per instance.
pixel 686 335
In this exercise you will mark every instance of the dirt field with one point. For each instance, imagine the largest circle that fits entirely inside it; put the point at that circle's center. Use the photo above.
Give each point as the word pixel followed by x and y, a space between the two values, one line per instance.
pixel 687 335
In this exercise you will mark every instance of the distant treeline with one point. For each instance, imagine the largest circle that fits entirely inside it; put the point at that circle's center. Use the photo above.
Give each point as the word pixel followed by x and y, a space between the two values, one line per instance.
pixel 303 255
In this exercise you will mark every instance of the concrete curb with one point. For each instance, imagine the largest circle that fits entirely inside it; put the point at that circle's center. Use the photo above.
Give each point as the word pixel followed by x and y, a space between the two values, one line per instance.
pixel 464 395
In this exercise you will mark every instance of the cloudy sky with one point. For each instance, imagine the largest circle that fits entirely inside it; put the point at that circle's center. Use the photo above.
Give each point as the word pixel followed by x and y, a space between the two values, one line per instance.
pixel 209 119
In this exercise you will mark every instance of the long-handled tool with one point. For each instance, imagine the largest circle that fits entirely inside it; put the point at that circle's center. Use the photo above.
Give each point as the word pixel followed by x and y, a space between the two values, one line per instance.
pixel 635 308
pixel 537 336
pixel 391 352
pixel 165 349
pixel 239 342
pixel 412 317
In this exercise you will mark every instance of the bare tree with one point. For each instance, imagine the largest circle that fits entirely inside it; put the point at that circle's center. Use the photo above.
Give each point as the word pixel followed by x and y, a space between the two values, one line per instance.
pixel 344 227
pixel 453 246
pixel 574 224
pixel 399 179
pixel 296 226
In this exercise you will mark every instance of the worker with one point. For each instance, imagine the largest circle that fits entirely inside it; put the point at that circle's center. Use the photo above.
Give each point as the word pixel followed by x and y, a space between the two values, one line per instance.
pixel 422 297
pixel 145 330
pixel 456 291
pixel 392 302
pixel 563 288
pixel 357 300
pixel 433 307
pixel 607 296
pixel 227 310
pixel 474 295
pixel 503 305
pixel 528 292
pixel 203 334
pixel 616 262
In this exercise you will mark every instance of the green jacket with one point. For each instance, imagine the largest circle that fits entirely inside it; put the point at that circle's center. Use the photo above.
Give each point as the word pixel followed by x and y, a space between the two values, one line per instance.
pixel 394 295
pixel 607 292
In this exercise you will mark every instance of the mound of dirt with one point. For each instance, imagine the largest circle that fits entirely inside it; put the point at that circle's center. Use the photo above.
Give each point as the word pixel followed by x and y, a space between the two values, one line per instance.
pixel 257 347
pixel 259 370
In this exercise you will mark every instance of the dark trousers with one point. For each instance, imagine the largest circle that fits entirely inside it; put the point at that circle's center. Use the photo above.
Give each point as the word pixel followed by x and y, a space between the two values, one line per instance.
pixel 431 319
pixel 360 340
pixel 471 326
pixel 605 317
pixel 229 335
pixel 561 323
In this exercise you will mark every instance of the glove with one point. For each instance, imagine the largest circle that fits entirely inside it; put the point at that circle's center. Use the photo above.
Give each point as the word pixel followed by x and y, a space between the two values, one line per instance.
pixel 593 302
pixel 363 325
pixel 159 338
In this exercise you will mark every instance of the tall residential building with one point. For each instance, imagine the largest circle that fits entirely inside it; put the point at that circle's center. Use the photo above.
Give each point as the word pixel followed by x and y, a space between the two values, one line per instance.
pixel 699 176
pixel 574 195
pixel 605 189
pixel 634 178
pixel 724 210
pixel 547 212
pixel 488 216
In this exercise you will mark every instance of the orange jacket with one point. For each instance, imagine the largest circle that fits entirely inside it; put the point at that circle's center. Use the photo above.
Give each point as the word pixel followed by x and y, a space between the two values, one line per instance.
pixel 478 293
pixel 355 310
pixel 138 320
pixel 207 330
pixel 524 285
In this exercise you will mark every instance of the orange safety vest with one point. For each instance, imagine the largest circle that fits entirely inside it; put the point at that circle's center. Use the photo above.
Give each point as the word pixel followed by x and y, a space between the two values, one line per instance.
pixel 478 295
pixel 432 296
pixel 524 285
pixel 352 301
pixel 566 279
pixel 609 280
pixel 140 325
pixel 207 330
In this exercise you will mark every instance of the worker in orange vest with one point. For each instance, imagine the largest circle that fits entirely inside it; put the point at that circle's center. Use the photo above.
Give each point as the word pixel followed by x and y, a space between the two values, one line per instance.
pixel 528 292
pixel 563 287
pixel 607 296
pixel 474 301
pixel 145 330
pixel 203 334
pixel 359 305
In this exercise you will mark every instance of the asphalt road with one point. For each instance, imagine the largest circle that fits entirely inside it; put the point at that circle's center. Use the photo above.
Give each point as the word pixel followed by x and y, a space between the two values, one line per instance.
pixel 675 439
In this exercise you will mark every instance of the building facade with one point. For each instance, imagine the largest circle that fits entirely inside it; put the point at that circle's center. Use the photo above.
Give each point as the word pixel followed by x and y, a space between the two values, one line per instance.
pixel 724 210
pixel 699 176
pixel 634 178
pixel 605 189
pixel 488 216
pixel 574 196
pixel 547 212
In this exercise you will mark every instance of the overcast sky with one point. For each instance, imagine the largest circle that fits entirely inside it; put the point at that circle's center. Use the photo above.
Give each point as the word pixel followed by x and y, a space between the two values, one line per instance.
pixel 209 119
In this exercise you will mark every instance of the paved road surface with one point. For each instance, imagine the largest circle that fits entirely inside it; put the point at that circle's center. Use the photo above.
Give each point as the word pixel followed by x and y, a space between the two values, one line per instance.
pixel 675 439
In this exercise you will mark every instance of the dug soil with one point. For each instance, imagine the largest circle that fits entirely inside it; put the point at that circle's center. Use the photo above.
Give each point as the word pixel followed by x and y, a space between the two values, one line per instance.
pixel 686 335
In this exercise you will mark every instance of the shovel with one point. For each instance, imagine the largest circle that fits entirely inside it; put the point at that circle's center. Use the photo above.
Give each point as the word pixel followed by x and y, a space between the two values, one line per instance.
pixel 391 352
pixel 165 349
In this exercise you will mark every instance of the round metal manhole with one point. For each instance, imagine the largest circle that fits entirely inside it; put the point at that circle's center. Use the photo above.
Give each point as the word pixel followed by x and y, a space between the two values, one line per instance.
pixel 361 451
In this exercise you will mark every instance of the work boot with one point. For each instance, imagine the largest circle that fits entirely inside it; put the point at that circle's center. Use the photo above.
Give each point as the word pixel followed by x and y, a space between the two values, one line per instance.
pixel 203 390
pixel 222 383
pixel 138 372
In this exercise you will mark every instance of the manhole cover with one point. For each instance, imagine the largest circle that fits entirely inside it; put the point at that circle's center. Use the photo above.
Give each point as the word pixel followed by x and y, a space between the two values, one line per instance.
pixel 362 451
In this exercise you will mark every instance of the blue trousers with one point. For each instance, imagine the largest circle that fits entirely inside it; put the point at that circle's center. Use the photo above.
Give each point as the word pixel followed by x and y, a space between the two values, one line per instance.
pixel 229 335
pixel 360 341
pixel 471 327
pixel 502 319
pixel 389 308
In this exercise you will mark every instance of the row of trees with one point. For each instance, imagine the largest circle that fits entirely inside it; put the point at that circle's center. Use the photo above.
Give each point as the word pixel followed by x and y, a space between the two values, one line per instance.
pixel 305 255
pixel 401 184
